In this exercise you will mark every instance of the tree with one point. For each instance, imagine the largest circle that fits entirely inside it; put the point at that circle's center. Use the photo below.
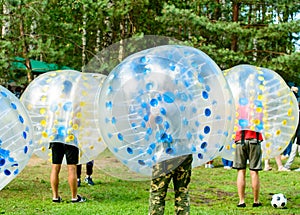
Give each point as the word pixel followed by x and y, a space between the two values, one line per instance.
pixel 71 32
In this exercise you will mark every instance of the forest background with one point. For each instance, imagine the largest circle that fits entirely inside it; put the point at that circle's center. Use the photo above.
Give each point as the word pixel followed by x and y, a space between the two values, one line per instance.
pixel 71 32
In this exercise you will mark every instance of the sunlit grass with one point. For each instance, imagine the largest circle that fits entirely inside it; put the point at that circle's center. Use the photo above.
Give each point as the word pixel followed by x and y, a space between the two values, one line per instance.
pixel 212 191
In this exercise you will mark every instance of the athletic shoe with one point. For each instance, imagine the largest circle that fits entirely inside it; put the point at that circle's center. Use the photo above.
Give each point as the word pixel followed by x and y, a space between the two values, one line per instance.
pixel 79 199
pixel 243 205
pixel 89 181
pixel 58 200
pixel 209 166
pixel 283 169
pixel 255 205
pixel 227 167
pixel 267 168
pixel 297 170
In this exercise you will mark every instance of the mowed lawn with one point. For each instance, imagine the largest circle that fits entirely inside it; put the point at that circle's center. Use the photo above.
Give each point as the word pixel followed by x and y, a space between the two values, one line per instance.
pixel 212 191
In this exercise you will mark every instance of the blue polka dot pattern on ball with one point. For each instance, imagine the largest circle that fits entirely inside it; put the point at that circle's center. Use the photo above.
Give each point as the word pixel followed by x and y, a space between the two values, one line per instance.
pixel 2 161
pixel 7 172
pixel 13 106
pixel 16 133
pixel 21 119
pixel 165 101
pixel 169 97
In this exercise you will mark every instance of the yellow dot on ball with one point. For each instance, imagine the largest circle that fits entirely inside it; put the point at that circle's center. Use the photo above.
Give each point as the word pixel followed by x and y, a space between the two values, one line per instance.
pixel 256 121
pixel 43 123
pixel 71 137
pixel 259 110
pixel 29 106
pixel 260 97
pixel 53 74
pixel 43 98
pixel 44 134
pixel 261 87
pixel 42 111
pixel 261 78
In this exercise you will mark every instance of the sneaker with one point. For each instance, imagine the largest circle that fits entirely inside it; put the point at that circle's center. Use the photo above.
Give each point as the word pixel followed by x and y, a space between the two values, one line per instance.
pixel 78 182
pixel 89 181
pixel 267 168
pixel 242 205
pixel 255 205
pixel 79 199
pixel 58 200
pixel 227 167
pixel 283 169
pixel 210 166
pixel 297 170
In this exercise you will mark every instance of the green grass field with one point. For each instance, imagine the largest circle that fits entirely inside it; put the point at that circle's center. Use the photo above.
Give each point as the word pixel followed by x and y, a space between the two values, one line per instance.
pixel 212 191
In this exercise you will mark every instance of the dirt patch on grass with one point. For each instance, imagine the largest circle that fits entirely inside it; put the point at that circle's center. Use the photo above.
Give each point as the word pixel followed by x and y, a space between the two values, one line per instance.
pixel 37 161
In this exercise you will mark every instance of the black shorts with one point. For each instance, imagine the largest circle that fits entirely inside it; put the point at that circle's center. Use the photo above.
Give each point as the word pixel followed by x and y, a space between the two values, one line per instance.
pixel 59 150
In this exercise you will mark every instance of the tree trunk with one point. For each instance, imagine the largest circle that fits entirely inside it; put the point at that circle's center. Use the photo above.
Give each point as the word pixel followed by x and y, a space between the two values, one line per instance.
pixel 84 18
pixel 217 10
pixel 235 14
pixel 6 24
pixel 25 49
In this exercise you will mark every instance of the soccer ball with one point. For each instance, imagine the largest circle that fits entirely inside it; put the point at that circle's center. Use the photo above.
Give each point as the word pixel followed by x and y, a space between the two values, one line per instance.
pixel 278 200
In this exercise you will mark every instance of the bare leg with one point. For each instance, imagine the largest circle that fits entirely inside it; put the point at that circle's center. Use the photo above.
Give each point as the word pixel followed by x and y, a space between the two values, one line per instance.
pixel 72 179
pixel 255 185
pixel 279 162
pixel 267 165
pixel 241 183
pixel 54 179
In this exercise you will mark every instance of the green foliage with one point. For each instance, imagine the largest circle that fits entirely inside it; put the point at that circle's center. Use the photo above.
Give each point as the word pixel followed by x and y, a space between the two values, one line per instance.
pixel 55 31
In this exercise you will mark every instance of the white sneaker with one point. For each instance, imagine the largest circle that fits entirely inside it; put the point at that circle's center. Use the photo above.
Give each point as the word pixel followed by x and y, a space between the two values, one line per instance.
pixel 283 169
pixel 297 170
pixel 267 168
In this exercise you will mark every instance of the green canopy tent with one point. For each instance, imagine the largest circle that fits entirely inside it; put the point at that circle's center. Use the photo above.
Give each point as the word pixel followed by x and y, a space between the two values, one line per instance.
pixel 36 66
